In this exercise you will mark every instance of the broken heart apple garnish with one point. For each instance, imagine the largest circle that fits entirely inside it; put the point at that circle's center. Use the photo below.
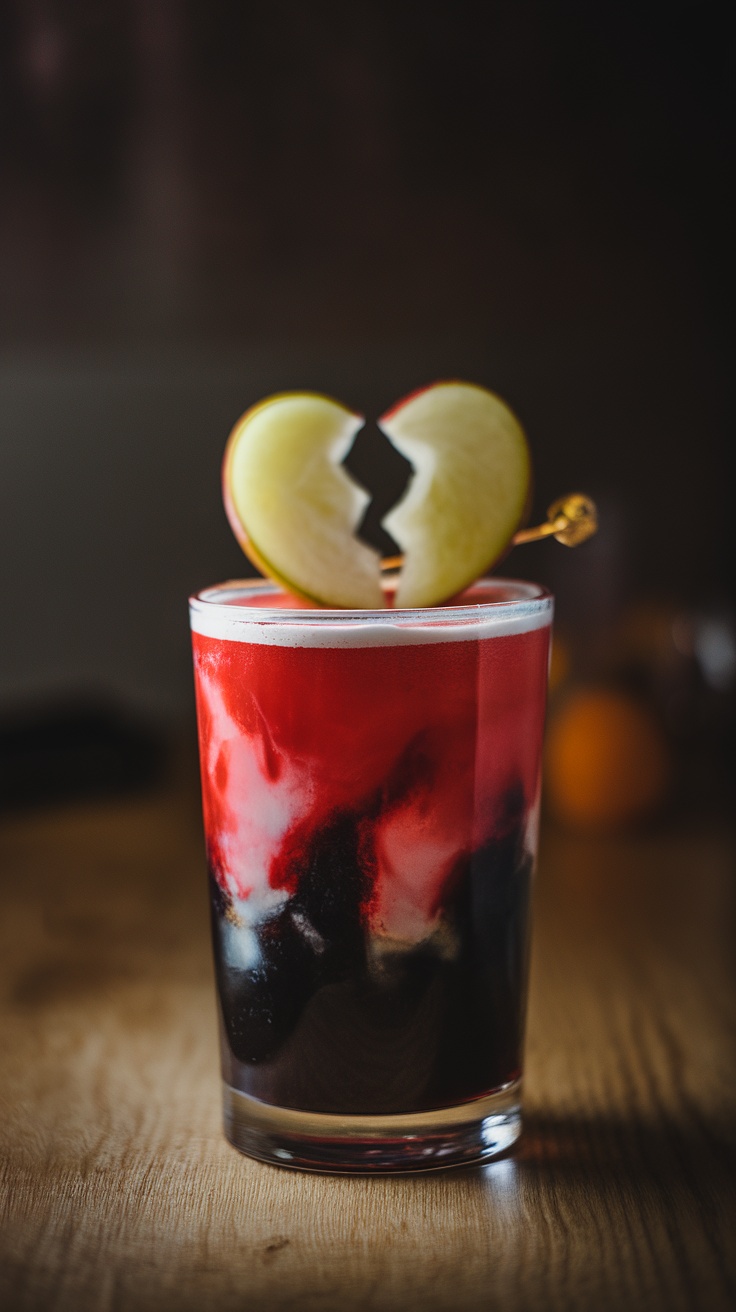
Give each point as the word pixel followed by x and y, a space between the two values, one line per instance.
pixel 295 510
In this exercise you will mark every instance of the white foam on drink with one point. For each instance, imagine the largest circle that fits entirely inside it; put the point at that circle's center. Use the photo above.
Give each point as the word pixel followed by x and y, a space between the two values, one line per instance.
pixel 220 613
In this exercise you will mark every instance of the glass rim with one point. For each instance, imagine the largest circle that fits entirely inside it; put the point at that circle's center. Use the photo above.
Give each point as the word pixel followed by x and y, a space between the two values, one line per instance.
pixel 533 600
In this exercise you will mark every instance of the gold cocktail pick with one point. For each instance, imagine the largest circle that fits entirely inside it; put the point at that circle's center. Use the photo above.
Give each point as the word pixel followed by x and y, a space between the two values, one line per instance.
pixel 571 519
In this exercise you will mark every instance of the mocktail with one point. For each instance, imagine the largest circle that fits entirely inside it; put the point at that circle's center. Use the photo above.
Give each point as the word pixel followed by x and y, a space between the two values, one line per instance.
pixel 371 787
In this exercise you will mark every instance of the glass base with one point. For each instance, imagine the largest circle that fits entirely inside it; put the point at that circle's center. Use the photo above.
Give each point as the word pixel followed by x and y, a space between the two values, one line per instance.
pixel 369 1145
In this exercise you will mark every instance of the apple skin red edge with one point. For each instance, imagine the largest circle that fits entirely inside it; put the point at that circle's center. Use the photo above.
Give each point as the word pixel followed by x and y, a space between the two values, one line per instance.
pixel 410 396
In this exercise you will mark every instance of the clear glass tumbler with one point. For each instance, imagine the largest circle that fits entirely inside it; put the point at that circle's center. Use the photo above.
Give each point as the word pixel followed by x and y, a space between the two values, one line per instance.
pixel 370 787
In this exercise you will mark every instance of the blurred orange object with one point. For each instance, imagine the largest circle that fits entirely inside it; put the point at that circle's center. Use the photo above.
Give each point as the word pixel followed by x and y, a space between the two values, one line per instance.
pixel 607 760
pixel 559 664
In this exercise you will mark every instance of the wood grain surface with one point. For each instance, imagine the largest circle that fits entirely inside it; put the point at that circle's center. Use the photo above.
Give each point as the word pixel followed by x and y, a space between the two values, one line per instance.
pixel 120 1192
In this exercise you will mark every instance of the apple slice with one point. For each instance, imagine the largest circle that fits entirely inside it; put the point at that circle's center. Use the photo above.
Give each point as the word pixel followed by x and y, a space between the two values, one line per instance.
pixel 469 492
pixel 292 507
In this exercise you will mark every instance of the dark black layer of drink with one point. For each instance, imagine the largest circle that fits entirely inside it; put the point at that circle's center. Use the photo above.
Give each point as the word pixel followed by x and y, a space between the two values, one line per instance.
pixel 334 1019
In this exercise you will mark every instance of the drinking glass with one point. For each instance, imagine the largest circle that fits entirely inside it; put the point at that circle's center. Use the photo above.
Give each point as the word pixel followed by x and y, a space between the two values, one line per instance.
pixel 370 785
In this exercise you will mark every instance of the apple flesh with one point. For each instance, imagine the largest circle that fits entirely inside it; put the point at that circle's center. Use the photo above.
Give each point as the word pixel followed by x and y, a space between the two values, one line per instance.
pixel 292 507
pixel 469 491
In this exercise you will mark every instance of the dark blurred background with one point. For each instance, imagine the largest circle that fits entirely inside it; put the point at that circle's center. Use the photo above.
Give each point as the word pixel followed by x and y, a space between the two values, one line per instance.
pixel 203 203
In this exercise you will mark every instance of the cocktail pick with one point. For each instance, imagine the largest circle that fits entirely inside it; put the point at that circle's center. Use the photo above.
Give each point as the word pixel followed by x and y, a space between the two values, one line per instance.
pixel 571 519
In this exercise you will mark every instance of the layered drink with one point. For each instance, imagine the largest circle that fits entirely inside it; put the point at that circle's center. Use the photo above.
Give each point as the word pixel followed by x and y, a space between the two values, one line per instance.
pixel 371 787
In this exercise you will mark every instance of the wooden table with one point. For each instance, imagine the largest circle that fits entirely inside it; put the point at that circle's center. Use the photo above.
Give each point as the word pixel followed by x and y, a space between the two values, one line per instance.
pixel 120 1191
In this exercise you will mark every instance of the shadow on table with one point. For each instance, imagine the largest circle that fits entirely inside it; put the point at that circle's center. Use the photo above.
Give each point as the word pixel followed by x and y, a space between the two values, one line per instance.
pixel 593 1161
pixel 569 1146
